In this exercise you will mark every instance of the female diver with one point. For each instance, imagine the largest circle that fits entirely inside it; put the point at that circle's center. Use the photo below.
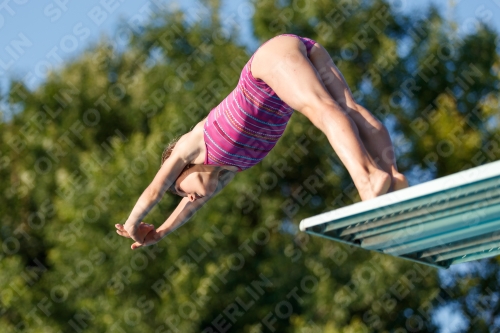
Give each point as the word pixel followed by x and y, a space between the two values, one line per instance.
pixel 281 76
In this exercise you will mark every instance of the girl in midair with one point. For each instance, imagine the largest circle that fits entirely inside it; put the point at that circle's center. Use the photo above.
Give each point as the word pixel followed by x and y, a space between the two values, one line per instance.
pixel 280 77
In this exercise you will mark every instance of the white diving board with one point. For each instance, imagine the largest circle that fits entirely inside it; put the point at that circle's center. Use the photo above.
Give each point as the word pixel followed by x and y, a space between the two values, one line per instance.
pixel 442 222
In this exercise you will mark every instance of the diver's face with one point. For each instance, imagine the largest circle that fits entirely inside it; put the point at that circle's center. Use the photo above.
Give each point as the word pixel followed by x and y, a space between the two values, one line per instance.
pixel 197 182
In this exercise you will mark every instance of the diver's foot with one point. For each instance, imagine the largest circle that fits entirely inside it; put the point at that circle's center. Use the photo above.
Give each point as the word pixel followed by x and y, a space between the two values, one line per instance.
pixel 378 183
pixel 399 181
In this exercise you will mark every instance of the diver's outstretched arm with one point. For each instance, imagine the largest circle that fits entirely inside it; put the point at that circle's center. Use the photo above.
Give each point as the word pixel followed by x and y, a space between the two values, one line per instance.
pixel 164 178
pixel 182 213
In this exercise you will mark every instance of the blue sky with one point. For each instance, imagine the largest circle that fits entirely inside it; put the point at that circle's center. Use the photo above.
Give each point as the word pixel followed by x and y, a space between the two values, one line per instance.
pixel 51 32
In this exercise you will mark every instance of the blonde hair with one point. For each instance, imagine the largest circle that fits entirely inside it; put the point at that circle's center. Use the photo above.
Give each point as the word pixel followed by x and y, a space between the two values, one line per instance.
pixel 166 154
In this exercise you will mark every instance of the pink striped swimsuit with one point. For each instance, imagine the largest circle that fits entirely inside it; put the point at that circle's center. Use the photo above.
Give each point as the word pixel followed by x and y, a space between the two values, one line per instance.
pixel 246 125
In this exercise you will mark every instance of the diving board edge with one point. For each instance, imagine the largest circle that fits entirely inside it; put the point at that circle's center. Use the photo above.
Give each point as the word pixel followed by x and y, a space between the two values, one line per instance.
pixel 449 182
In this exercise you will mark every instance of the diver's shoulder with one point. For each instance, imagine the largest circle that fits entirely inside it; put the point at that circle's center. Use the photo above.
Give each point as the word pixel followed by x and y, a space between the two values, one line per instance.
pixel 192 145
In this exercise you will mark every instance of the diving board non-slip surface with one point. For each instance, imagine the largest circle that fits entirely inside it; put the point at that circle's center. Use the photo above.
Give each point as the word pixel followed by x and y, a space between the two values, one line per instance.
pixel 442 222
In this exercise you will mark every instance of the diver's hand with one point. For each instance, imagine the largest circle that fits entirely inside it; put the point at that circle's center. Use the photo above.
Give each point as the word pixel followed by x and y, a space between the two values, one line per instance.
pixel 138 233
pixel 151 238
